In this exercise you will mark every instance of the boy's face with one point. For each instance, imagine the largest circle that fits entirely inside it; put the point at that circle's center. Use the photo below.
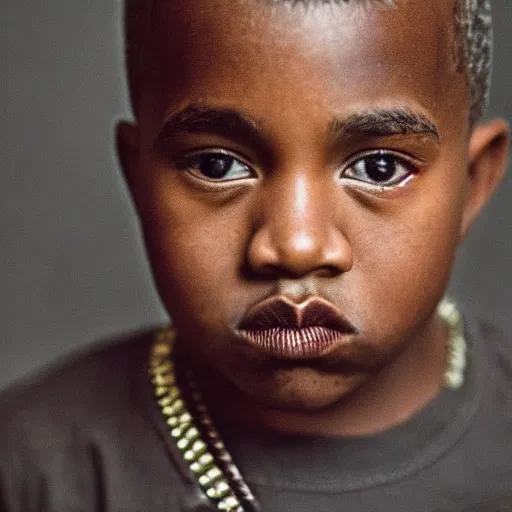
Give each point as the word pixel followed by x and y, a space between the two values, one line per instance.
pixel 302 154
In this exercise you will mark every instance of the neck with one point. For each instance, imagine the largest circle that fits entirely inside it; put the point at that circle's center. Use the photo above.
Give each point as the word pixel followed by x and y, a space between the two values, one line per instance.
pixel 401 389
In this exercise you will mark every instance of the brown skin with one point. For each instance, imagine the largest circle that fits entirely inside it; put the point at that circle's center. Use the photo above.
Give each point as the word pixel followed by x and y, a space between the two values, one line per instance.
pixel 296 222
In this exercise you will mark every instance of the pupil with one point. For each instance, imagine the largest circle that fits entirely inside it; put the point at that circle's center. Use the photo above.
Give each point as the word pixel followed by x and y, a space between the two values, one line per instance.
pixel 380 167
pixel 215 166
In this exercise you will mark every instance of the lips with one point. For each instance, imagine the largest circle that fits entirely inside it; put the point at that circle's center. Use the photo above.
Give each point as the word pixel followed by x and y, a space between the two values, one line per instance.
pixel 285 329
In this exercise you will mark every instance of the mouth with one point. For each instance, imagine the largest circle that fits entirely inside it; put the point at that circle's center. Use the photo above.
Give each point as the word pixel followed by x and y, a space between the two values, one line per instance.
pixel 287 330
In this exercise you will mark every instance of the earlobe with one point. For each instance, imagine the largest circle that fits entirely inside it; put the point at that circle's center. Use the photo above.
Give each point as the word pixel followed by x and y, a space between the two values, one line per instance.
pixel 127 146
pixel 487 161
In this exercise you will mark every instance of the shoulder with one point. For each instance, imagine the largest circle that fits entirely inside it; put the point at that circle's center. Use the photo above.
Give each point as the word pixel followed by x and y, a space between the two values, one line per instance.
pixel 52 423
pixel 483 453
pixel 59 393
pixel 495 343
pixel 491 348
pixel 81 436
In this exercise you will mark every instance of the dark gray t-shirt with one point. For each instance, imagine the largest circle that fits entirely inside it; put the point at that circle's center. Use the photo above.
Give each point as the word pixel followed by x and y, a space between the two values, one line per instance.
pixel 87 436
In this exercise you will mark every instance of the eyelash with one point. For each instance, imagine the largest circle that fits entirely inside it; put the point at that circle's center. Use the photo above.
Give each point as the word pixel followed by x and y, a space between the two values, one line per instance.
pixel 191 163
pixel 407 166
pixel 410 167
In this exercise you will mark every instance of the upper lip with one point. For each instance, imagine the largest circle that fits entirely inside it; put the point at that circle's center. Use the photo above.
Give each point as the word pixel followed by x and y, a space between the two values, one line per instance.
pixel 280 311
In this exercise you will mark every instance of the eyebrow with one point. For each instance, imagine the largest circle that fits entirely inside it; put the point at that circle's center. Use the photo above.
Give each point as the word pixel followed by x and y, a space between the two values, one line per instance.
pixel 235 125
pixel 225 122
pixel 384 122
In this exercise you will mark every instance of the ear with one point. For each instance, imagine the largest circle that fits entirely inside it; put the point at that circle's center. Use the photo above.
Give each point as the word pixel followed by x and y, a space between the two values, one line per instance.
pixel 127 146
pixel 487 161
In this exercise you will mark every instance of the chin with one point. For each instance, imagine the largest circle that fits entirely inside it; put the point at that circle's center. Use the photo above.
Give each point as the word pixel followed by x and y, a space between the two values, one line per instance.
pixel 306 390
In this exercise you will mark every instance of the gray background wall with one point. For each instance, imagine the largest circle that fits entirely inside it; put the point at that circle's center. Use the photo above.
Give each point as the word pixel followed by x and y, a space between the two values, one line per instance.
pixel 72 269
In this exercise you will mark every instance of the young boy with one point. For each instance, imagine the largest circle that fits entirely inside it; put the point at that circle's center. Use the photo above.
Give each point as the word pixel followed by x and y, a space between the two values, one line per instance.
pixel 303 172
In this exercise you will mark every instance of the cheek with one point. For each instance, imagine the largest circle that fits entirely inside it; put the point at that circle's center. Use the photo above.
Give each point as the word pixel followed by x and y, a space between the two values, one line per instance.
pixel 196 254
pixel 403 259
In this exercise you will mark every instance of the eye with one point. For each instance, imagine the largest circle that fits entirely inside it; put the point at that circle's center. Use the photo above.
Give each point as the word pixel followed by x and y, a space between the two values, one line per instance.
pixel 381 169
pixel 216 166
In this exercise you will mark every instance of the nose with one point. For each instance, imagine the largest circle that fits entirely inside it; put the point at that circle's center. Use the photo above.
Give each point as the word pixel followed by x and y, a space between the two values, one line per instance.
pixel 297 234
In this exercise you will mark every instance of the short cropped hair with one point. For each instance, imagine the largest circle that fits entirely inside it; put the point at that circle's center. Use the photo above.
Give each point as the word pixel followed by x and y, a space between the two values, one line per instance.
pixel 472 45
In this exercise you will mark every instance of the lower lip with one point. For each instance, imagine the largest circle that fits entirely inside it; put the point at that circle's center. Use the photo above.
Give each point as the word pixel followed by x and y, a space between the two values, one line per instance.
pixel 304 343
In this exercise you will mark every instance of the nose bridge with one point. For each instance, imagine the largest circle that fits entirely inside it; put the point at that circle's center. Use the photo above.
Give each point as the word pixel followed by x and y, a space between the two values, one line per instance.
pixel 296 221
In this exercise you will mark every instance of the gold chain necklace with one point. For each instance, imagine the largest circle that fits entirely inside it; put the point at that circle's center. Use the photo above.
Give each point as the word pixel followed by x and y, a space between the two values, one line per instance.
pixel 197 439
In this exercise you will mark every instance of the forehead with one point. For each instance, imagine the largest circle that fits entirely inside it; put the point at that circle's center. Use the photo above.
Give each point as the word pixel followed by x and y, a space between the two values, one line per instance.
pixel 315 19
pixel 333 55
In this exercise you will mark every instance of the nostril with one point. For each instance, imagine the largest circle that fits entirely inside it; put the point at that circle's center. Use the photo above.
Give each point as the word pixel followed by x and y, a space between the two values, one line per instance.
pixel 288 270
pixel 294 252
pixel 329 271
